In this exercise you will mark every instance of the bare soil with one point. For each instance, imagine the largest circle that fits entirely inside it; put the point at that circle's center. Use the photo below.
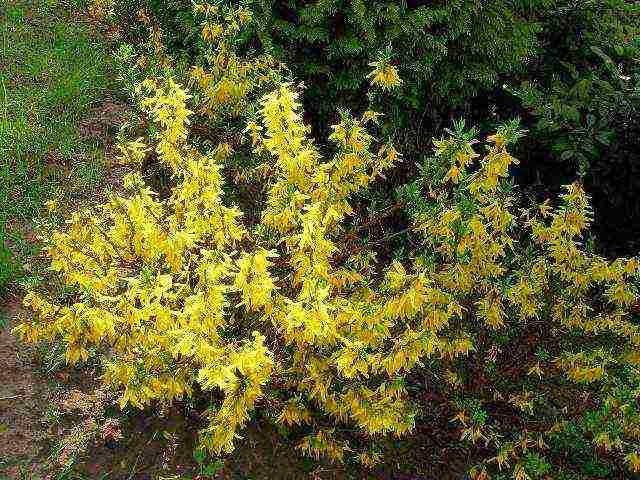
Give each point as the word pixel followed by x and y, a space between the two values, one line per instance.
pixel 24 396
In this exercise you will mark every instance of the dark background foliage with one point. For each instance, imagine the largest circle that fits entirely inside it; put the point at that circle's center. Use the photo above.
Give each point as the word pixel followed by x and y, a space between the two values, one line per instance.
pixel 568 68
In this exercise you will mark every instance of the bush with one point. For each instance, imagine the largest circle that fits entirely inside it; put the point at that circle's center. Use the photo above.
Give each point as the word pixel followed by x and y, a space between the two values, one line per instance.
pixel 278 303
pixel 443 59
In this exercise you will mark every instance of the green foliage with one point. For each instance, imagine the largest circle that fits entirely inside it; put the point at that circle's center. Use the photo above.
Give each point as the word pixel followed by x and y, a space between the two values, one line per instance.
pixel 207 467
pixel 584 94
pixel 572 444
pixel 566 60
pixel 446 52
pixel 8 266
pixel 174 17
pixel 53 72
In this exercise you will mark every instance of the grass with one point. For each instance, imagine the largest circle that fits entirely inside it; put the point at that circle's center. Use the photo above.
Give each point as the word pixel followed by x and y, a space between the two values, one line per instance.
pixel 53 70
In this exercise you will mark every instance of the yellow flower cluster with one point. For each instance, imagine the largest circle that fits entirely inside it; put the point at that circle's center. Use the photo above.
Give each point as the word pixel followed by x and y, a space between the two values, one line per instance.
pixel 384 75
pixel 183 290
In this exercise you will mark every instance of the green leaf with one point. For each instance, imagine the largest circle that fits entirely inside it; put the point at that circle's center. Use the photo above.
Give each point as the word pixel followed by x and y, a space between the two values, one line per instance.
pixel 199 455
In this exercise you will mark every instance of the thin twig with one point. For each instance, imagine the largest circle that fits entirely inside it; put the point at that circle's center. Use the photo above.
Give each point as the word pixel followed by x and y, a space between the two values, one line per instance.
pixel 14 397
pixel 349 252
pixel 5 100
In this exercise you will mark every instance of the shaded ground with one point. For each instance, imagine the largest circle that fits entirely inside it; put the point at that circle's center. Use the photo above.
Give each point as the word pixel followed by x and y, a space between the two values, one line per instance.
pixel 23 400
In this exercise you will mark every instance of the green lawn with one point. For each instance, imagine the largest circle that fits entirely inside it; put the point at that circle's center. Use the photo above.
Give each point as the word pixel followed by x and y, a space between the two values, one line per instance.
pixel 53 71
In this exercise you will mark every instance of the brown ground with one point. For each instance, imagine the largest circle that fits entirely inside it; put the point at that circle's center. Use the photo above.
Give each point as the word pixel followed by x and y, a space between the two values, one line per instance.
pixel 24 396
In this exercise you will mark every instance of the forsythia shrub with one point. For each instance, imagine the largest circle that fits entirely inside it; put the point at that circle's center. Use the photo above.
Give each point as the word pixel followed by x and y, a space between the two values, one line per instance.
pixel 433 60
pixel 186 291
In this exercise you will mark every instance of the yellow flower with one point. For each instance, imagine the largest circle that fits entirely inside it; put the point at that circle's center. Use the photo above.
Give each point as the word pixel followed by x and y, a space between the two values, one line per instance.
pixel 52 205
pixel 633 461
pixel 384 75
